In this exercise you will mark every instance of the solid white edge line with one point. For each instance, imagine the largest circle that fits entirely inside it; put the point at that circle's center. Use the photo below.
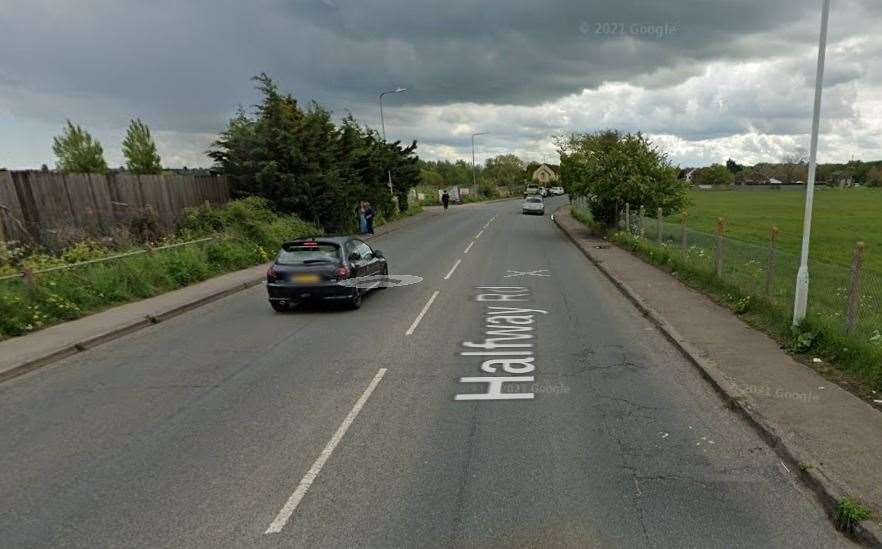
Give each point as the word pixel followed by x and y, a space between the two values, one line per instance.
pixel 477 236
pixel 420 316
pixel 469 247
pixel 291 505
pixel 450 273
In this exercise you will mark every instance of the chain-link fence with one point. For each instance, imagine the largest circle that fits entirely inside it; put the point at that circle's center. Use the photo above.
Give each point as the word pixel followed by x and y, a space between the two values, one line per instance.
pixel 845 299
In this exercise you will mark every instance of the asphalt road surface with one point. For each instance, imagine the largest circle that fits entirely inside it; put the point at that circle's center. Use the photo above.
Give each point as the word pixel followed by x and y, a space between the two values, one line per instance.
pixel 234 426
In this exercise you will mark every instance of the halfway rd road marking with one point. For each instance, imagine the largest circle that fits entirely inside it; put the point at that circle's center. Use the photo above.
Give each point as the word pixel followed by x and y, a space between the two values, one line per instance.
pixel 470 247
pixel 310 476
pixel 422 314
pixel 455 265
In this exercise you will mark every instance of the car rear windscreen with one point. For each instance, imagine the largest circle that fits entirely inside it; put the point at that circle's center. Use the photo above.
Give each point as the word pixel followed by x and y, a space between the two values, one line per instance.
pixel 534 200
pixel 307 254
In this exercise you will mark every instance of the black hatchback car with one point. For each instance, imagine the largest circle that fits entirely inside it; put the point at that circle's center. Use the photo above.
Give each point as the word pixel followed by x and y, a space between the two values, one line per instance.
pixel 323 268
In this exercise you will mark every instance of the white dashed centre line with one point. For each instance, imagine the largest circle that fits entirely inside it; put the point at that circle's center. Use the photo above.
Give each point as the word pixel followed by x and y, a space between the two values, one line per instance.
pixel 477 236
pixel 470 247
pixel 291 505
pixel 422 314
pixel 450 273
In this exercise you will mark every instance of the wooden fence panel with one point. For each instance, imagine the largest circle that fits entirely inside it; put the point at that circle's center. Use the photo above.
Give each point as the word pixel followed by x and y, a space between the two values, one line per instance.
pixel 53 208
pixel 12 225
pixel 127 199
pixel 156 196
pixel 83 209
pixel 102 198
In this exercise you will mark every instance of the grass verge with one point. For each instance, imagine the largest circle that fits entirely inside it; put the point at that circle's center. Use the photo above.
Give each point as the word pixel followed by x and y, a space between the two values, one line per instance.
pixel 247 232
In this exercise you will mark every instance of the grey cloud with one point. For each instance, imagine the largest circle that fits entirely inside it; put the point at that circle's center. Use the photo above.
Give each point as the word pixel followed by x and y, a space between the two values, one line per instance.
pixel 186 64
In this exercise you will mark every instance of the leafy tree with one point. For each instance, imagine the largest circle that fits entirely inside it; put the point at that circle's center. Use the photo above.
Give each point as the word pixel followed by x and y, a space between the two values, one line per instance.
pixel 303 163
pixel 453 173
pixel 874 177
pixel 431 177
pixel 713 175
pixel 611 169
pixel 505 169
pixel 139 150
pixel 733 166
pixel 77 152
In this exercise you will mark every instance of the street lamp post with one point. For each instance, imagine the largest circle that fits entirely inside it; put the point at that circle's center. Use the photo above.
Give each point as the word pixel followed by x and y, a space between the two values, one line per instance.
pixel 382 121
pixel 474 177
pixel 383 126
pixel 800 302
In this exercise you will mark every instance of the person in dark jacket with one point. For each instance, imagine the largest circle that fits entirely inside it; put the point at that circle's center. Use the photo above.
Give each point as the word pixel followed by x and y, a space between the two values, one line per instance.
pixel 369 217
pixel 445 199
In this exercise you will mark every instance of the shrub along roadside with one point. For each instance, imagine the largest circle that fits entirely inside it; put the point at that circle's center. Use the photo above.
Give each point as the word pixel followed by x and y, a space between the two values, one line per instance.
pixel 858 364
pixel 247 233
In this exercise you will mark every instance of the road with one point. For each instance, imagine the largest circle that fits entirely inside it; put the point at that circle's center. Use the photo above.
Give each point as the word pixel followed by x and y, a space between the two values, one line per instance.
pixel 234 426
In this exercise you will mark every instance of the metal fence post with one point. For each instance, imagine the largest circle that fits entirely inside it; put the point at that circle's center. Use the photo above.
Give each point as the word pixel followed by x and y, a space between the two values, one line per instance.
pixel 718 259
pixel 684 236
pixel 854 288
pixel 628 217
pixel 642 221
pixel 770 262
pixel 658 226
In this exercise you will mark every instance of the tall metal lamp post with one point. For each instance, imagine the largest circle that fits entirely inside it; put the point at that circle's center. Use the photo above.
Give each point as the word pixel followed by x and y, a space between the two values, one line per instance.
pixel 474 177
pixel 383 126
pixel 800 302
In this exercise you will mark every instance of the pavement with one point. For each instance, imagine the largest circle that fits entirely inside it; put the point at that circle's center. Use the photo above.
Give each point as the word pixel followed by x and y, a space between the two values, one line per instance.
pixel 514 397
pixel 834 436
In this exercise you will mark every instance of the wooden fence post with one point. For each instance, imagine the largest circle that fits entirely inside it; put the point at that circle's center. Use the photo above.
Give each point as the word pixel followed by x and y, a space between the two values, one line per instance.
pixel 27 274
pixel 642 221
pixel 628 217
pixel 770 262
pixel 684 233
pixel 658 226
pixel 718 259
pixel 854 288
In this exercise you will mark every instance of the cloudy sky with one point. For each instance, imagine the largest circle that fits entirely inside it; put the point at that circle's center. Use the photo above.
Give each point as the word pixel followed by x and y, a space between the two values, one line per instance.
pixel 707 79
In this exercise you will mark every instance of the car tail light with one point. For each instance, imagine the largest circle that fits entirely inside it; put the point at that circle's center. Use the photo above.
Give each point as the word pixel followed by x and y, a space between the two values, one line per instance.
pixel 271 274
pixel 342 273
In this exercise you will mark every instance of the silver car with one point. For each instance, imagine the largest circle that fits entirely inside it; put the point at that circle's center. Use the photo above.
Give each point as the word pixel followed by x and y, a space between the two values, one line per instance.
pixel 533 205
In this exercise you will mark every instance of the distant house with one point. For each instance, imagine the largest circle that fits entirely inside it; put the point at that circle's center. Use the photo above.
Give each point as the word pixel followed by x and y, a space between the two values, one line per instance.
pixel 546 173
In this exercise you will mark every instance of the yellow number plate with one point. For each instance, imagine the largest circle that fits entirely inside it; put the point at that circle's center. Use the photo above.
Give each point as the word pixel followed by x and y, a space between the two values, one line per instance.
pixel 305 278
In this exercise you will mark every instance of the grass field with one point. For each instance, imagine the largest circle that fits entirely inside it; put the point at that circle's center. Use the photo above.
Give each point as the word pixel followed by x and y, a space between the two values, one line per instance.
pixel 765 296
pixel 841 218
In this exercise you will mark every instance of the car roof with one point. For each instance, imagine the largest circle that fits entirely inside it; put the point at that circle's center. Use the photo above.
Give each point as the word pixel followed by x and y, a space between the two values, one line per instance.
pixel 339 240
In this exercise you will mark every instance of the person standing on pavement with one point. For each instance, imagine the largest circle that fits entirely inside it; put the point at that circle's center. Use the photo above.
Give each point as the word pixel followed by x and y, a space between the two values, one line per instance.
pixel 445 199
pixel 369 217
pixel 362 221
